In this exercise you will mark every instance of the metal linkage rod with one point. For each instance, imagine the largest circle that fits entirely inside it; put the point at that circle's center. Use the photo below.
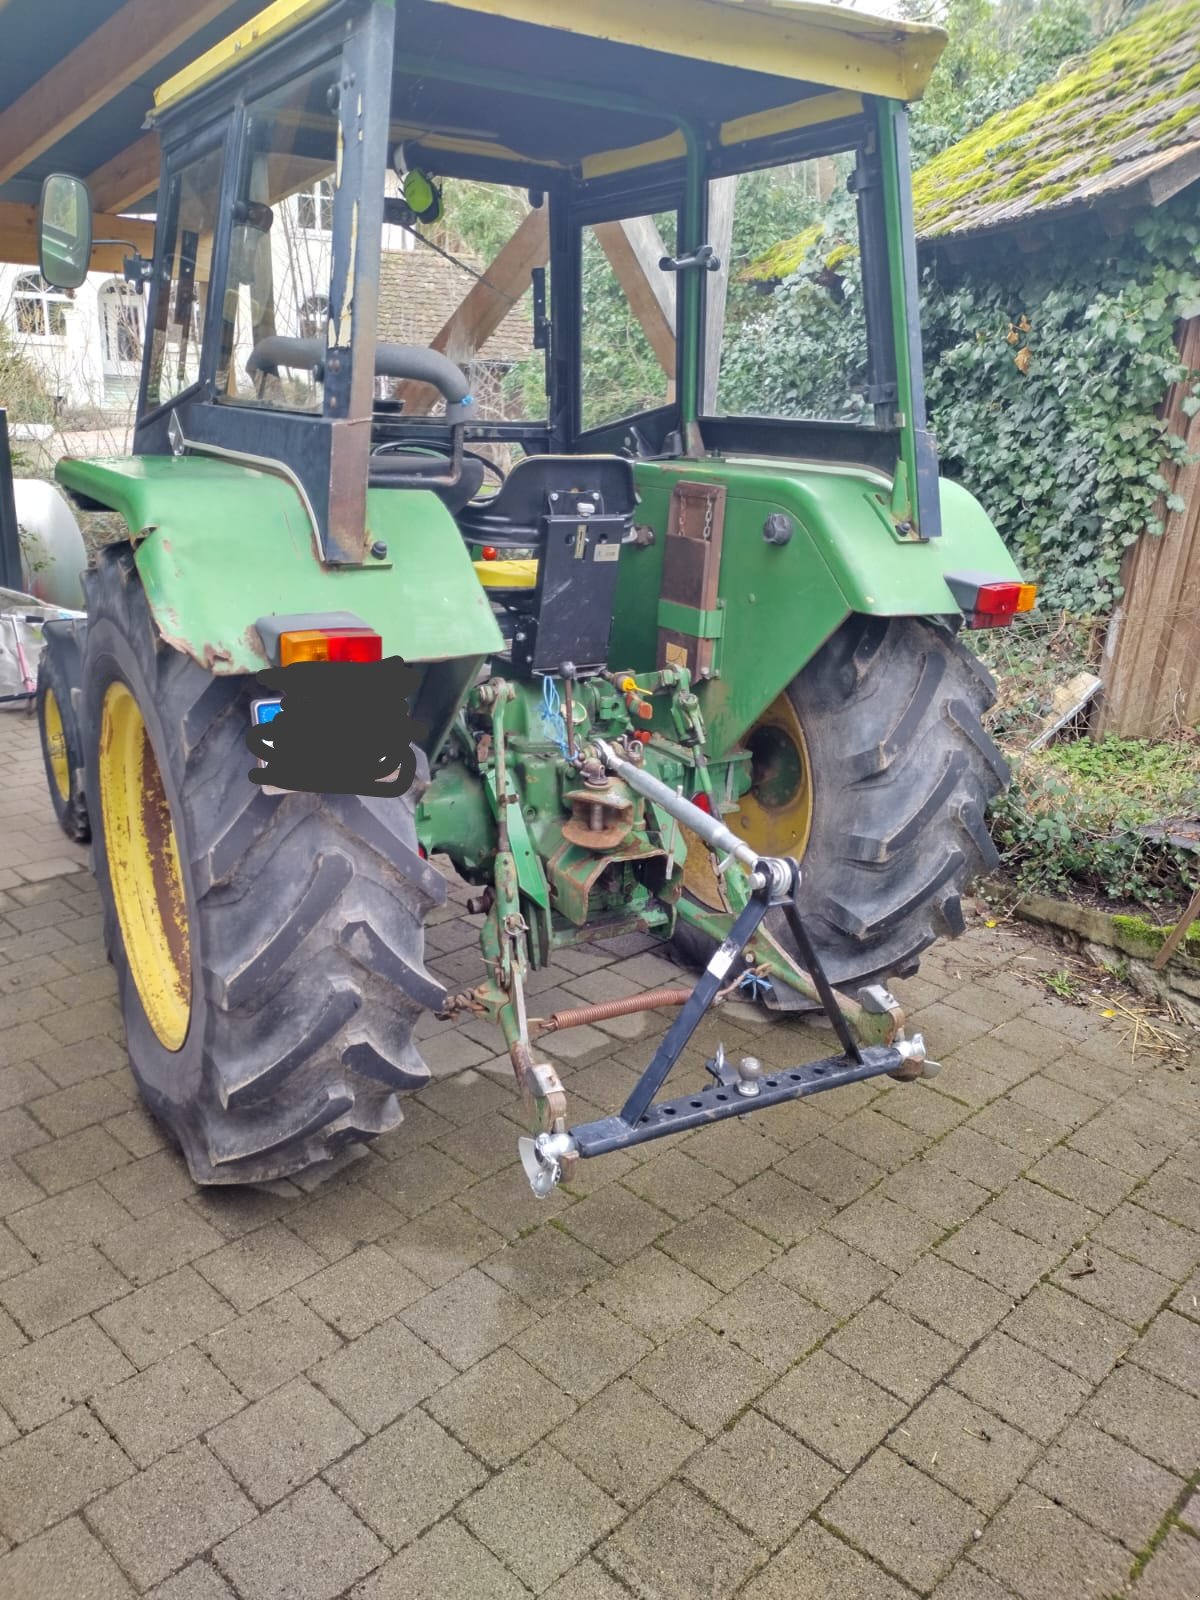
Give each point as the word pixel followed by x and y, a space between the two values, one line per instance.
pixel 711 829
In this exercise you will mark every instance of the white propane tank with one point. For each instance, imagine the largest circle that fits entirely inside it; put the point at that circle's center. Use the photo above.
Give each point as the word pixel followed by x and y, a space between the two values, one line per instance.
pixel 53 554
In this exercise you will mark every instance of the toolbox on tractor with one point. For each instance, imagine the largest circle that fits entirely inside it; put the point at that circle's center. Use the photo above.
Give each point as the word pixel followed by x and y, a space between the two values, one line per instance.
pixel 676 667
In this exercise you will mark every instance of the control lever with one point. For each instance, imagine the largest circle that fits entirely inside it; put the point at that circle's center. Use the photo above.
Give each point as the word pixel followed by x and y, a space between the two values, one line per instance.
pixel 704 256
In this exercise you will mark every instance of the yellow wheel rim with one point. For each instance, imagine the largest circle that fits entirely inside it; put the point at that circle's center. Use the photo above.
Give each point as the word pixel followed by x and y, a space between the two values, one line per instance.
pixel 143 867
pixel 774 816
pixel 56 745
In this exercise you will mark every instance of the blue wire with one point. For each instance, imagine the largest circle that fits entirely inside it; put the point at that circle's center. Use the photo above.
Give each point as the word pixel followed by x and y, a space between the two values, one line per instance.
pixel 552 714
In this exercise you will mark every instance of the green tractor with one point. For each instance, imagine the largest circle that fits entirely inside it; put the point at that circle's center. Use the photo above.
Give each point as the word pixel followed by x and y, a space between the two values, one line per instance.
pixel 675 667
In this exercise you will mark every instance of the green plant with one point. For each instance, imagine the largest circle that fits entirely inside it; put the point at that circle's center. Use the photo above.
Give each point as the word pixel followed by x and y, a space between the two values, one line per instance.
pixel 1062 983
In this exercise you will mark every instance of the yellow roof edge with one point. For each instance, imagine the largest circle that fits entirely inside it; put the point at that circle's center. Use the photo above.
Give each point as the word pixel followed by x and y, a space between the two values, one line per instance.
pixel 264 28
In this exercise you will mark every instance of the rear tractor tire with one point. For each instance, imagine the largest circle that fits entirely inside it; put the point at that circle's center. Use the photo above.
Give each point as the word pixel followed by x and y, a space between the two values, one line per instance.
pixel 269 949
pixel 874 770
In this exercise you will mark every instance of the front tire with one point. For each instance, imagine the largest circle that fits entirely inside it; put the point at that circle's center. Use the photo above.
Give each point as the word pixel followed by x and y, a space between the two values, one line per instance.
pixel 269 950
pixel 875 771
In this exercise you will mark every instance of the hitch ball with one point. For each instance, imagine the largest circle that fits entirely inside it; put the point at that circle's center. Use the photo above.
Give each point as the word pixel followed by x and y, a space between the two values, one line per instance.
pixel 750 1072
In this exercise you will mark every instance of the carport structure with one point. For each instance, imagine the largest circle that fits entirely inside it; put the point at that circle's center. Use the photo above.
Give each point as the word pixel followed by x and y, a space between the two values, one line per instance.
pixel 76 80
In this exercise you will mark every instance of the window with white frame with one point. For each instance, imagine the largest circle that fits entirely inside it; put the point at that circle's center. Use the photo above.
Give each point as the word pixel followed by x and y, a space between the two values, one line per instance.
pixel 314 207
pixel 39 308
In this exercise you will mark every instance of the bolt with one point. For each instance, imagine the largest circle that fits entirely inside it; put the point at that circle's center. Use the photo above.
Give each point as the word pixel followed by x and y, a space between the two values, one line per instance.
pixel 379 550
pixel 778 528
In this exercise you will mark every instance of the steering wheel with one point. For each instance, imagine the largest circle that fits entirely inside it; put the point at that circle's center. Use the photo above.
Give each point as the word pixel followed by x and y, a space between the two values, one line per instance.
pixel 423 447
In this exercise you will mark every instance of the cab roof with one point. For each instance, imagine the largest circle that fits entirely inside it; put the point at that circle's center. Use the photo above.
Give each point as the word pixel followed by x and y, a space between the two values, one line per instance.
pixel 748 68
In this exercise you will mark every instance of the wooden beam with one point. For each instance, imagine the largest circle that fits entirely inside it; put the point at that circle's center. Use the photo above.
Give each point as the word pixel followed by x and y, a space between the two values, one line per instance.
pixel 19 237
pixel 486 304
pixel 722 194
pixel 127 177
pixel 131 43
pixel 634 248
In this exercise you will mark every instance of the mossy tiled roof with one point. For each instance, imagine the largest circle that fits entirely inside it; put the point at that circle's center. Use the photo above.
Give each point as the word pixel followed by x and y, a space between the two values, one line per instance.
pixel 1126 112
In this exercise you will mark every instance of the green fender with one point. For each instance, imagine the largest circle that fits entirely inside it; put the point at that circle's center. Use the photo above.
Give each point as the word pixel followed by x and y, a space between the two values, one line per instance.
pixel 219 544
pixel 780 602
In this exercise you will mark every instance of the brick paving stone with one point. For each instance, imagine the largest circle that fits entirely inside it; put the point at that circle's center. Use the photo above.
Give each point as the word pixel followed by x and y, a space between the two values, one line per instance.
pixel 381 1375
pixel 1115 1285
pixel 887 1346
pixel 1187 1301
pixel 1110 1138
pixel 916 1107
pixel 834 1409
pixel 52 1472
pixel 147 1185
pixel 60 1165
pixel 155 1245
pixel 1173 1571
pixel 655 1294
pixel 64 1561
pixel 1045 1553
pixel 1034 1211
pixel 360 1290
pixel 948 1300
pixel 718 1247
pixel 891 1233
pixel 912 1525
pixel 884 1142
pixel 1019 1385
pixel 441 1243
pixel 968 1583
pixel 1174 1196
pixel 544 1266
pixel 831 1171
pixel 197 1581
pixel 763 1477
pixel 984 1161
pixel 705 1379
pixel 467 1318
pixel 1028 1132
pixel 406 1478
pixel 740 1151
pixel 1055 1100
pixel 678 1546
pixel 137 1130
pixel 161 1408
pixel 615 1223
pixel 270 1344
pixel 545 1492
pixel 1042 1044
pixel 152 1322
pixel 237 1211
pixel 581 1347
pixel 1189 1512
pixel 14 1258
pixel 1150 1240
pixel 967 1449
pixel 447 1563
pixel 816 1565
pixel 678 1184
pixel 336 1221
pixel 935 1192
pixel 587 1581
pixel 21 1082
pixel 259 1266
pixel 51 1374
pixel 78 1216
pixel 62 1290
pixel 626 1441
pixel 1154 1417
pixel 80 1106
pixel 774 1205
pixel 1170 1348
pixel 1106 1483
pixel 309 1547
pixel 769 1321
pixel 283 1440
pixel 500 1407
pixel 832 1273
pixel 1076 1335
pixel 1007 1260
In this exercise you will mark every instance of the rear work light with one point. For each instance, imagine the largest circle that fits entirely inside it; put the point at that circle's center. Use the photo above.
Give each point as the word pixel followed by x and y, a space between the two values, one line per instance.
pixel 988 603
pixel 329 644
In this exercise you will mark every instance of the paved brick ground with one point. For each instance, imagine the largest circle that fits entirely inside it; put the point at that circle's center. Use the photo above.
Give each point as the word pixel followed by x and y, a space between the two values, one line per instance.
pixel 940 1339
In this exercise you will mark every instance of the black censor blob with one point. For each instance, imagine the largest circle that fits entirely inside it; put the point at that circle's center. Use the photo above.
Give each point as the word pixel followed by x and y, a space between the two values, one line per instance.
pixel 344 728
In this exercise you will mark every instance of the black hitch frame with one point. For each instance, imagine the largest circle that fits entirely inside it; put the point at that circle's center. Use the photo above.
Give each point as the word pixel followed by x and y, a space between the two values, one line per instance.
pixel 733 1095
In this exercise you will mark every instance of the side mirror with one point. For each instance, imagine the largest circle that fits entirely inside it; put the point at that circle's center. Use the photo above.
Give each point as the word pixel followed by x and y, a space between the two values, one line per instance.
pixel 64 230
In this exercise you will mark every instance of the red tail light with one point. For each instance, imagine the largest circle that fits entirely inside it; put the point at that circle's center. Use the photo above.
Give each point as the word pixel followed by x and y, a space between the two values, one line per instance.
pixel 329 644
pixel 987 603
pixel 702 803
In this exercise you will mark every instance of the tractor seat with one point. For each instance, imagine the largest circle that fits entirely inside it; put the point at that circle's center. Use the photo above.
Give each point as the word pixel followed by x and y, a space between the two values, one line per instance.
pixel 385 468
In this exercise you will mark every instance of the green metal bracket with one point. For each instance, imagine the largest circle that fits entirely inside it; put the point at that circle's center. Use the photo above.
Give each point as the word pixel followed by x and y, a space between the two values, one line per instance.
pixel 687 619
